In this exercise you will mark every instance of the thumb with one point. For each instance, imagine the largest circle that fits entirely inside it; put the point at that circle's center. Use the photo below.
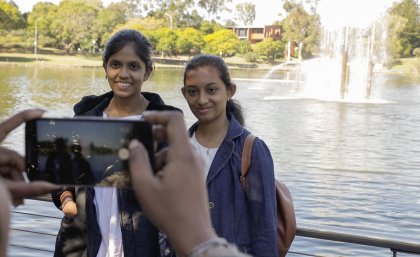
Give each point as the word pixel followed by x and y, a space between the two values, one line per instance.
pixel 141 172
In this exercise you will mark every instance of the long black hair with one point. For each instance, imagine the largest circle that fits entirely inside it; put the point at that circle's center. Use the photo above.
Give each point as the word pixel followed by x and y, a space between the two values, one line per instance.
pixel 204 60
pixel 124 37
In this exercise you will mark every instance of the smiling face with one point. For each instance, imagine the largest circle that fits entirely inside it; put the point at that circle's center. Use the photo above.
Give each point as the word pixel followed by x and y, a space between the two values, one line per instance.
pixel 125 72
pixel 206 94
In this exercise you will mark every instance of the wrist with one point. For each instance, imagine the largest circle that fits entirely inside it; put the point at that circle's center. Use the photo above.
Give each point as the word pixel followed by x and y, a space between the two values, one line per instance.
pixel 186 243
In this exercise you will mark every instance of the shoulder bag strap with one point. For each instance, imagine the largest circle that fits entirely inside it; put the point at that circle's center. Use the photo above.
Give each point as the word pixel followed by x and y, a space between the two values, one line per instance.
pixel 246 158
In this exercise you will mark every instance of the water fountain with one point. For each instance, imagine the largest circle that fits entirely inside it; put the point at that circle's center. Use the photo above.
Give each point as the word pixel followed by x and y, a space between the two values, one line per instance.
pixel 345 71
pixel 350 57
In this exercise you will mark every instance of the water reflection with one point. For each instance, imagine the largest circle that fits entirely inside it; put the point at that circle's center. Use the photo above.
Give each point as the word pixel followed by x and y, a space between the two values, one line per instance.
pixel 347 164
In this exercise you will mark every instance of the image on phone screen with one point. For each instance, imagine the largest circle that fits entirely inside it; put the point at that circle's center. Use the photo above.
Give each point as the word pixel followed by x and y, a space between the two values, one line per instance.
pixel 82 151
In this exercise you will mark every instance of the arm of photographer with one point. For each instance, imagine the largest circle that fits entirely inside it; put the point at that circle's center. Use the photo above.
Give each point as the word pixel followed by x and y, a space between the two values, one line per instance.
pixel 175 199
pixel 13 187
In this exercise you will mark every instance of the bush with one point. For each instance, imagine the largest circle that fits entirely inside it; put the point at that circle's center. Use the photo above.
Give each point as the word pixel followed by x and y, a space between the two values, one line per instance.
pixel 415 68
pixel 416 52
pixel 251 57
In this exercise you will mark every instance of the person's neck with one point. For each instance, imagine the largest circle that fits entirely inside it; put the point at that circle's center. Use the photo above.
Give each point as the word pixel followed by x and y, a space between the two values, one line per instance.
pixel 211 135
pixel 123 107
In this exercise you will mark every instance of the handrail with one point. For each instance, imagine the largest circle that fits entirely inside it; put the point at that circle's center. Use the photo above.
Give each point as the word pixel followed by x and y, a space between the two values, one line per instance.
pixel 354 236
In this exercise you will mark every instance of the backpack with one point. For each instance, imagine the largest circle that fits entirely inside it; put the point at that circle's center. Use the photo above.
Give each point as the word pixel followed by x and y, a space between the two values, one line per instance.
pixel 285 220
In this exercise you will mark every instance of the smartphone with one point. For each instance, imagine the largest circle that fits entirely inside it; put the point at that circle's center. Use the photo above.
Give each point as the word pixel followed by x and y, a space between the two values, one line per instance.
pixel 83 151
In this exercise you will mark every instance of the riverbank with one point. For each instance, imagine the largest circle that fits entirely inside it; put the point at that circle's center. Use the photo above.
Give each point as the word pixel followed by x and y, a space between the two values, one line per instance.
pixel 406 67
pixel 95 61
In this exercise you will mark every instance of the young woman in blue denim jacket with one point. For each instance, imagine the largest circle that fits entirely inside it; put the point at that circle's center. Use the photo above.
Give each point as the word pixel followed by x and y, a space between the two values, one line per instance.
pixel 246 219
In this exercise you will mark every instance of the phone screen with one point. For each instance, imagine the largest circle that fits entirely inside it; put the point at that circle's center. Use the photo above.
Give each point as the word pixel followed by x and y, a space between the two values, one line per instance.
pixel 83 151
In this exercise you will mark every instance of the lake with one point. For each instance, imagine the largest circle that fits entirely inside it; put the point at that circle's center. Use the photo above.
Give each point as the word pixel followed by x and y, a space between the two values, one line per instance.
pixel 351 164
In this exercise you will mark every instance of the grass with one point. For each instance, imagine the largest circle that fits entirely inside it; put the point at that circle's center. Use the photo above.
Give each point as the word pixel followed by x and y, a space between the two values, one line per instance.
pixel 409 66
pixel 50 59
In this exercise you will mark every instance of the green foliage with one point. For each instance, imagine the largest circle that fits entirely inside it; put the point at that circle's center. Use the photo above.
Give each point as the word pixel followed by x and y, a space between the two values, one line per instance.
pixel 395 43
pixel 73 24
pixel 404 25
pixel 416 52
pixel 223 42
pixel 251 57
pixel 10 17
pixel 108 18
pixel 213 7
pixel 415 68
pixel 190 42
pixel 245 13
pixel 244 47
pixel 209 27
pixel 166 41
pixel 301 27
pixel 269 49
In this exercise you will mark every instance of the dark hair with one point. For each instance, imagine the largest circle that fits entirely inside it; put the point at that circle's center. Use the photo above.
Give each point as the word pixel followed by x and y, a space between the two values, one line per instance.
pixel 124 37
pixel 219 64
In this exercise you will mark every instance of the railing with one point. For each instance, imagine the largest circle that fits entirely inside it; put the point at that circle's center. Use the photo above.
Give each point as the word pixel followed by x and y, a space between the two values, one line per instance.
pixel 397 244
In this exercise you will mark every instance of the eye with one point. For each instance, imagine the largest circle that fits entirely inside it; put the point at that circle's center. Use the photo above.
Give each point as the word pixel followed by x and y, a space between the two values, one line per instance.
pixel 191 91
pixel 134 66
pixel 114 65
pixel 212 90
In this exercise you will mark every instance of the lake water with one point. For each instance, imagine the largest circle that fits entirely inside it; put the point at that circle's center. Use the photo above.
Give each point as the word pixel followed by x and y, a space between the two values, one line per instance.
pixel 348 164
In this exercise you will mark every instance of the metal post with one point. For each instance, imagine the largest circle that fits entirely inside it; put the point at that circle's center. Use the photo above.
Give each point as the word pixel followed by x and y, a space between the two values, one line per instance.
pixel 344 68
pixel 170 20
pixel 36 40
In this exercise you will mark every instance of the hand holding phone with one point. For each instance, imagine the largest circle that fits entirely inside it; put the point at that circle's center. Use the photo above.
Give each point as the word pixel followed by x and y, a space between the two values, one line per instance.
pixel 83 151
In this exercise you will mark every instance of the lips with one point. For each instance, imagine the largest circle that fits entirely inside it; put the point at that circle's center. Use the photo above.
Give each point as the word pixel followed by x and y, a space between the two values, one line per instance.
pixel 123 85
pixel 203 111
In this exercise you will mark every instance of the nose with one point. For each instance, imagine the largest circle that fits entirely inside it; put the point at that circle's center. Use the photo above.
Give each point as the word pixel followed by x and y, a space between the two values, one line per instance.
pixel 202 98
pixel 123 72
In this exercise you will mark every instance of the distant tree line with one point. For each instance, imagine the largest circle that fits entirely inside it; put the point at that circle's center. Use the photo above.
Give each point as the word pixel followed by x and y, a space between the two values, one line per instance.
pixel 186 27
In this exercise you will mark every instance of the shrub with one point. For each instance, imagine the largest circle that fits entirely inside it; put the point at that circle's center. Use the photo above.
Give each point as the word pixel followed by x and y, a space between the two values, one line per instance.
pixel 251 57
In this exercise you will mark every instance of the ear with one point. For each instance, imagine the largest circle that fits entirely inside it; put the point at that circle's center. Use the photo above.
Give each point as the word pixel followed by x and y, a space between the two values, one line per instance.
pixel 183 92
pixel 231 90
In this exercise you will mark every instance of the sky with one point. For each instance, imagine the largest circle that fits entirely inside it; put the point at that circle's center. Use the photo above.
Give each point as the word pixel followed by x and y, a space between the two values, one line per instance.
pixel 334 13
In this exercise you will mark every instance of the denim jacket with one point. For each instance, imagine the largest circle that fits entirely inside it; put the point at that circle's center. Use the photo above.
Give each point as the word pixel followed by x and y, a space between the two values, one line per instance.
pixel 245 219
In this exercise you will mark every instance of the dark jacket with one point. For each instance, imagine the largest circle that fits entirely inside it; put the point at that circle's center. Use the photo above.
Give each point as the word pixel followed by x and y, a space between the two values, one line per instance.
pixel 247 220
pixel 81 236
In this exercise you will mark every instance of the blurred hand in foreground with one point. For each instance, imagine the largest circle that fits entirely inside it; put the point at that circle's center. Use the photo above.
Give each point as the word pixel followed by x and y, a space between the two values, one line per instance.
pixel 175 198
pixel 12 164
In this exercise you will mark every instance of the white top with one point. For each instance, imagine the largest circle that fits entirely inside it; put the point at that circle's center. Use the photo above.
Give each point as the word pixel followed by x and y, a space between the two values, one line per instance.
pixel 106 203
pixel 206 154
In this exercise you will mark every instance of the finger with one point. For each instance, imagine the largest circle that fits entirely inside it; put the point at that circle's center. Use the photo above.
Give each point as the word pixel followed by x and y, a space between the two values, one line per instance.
pixel 173 121
pixel 160 158
pixel 20 189
pixel 141 172
pixel 11 159
pixel 159 133
pixel 17 119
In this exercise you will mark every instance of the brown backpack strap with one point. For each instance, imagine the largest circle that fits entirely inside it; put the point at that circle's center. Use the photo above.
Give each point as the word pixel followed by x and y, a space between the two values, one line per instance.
pixel 246 158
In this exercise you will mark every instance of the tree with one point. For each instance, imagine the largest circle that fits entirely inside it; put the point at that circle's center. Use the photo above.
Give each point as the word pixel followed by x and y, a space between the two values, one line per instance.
pixel 74 24
pixel 396 44
pixel 167 39
pixel 213 7
pixel 301 27
pixel 41 17
pixel 190 41
pixel 222 42
pixel 179 11
pixel 10 17
pixel 269 49
pixel 108 18
pixel 245 13
pixel 409 34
